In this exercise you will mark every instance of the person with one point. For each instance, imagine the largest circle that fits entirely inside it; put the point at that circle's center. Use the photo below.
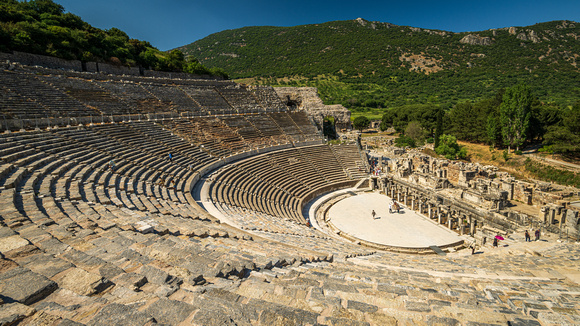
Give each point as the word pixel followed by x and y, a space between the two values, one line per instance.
pixel 373 213
pixel 528 236
pixel 390 208
pixel 170 157
pixel 396 206
pixel 537 234
pixel 495 242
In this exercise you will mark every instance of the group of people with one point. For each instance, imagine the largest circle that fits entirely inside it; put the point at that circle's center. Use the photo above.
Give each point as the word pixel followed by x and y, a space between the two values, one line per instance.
pixel 393 206
pixel 536 234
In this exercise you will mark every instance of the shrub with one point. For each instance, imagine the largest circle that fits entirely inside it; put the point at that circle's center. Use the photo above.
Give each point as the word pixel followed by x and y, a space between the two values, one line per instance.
pixel 449 148
pixel 404 141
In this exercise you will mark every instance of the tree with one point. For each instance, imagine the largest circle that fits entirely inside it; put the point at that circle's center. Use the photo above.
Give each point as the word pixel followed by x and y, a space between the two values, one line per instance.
pixel 414 131
pixel 449 148
pixel 515 115
pixel 361 123
pixel 439 128
pixel 565 137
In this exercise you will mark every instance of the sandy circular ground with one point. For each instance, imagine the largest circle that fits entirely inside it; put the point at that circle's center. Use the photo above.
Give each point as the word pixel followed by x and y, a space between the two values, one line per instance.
pixel 406 229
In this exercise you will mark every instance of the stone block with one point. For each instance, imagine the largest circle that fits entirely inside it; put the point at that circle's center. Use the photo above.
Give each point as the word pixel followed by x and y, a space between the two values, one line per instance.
pixel 361 306
pixel 12 313
pixel 12 242
pixel 120 315
pixel 82 282
pixel 417 306
pixel 170 312
pixel 24 286
pixel 45 264
pixel 131 280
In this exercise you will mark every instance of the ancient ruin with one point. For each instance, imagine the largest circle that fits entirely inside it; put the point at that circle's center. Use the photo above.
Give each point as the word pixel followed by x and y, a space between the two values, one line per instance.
pixel 135 200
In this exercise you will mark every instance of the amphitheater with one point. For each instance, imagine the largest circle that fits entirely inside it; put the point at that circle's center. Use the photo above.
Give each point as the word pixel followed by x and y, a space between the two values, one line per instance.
pixel 243 225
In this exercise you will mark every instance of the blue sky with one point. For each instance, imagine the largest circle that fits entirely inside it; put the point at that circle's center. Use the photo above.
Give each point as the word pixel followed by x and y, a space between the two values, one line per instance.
pixel 167 24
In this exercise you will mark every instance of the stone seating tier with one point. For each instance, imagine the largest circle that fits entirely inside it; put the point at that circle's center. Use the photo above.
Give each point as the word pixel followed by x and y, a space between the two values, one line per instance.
pixel 33 93
pixel 84 244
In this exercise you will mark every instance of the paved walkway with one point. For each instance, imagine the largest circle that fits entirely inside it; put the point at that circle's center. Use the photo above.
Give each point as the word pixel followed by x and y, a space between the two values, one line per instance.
pixel 406 229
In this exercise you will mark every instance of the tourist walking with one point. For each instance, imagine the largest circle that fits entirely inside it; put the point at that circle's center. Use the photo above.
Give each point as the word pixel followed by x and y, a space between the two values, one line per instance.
pixel 390 208
pixel 495 242
pixel 537 234
pixel 170 158
pixel 374 214
pixel 528 236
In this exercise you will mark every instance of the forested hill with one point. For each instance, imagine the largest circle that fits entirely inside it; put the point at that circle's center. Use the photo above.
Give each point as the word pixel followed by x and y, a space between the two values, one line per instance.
pixel 43 27
pixel 386 65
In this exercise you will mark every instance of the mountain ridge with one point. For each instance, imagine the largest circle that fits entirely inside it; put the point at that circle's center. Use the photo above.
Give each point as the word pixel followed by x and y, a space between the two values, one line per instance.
pixel 358 51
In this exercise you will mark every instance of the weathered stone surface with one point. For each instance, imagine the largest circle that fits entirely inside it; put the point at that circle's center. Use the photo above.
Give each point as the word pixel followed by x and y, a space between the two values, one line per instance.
pixel 110 271
pixel 12 313
pixel 121 315
pixel 306 98
pixel 82 260
pixel 24 286
pixel 82 282
pixel 155 275
pixel 417 306
pixel 442 321
pixel 274 314
pixel 131 281
pixel 45 264
pixel 392 289
pixel 170 312
pixel 361 306
pixel 12 242
pixel 476 40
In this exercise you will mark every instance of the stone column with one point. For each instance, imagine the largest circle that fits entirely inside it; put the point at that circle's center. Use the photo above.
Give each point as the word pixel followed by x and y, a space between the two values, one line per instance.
pixel 449 220
pixel 439 216
pixel 471 225
pixel 430 211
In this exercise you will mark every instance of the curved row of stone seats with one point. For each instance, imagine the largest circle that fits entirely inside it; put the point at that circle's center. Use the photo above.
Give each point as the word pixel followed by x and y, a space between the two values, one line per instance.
pixel 138 98
pixel 30 93
pixel 241 98
pixel 247 131
pixel 325 162
pixel 268 128
pixel 289 232
pixel 285 122
pixel 211 132
pixel 105 255
pixel 307 127
pixel 14 106
pixel 29 96
pixel 175 97
pixel 89 92
pixel 349 157
pixel 74 260
pixel 385 294
pixel 209 100
pixel 276 183
pixel 267 97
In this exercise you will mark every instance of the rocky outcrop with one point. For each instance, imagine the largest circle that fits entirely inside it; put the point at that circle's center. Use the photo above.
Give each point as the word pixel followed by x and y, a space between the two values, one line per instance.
pixel 475 39
pixel 530 36
pixel 307 99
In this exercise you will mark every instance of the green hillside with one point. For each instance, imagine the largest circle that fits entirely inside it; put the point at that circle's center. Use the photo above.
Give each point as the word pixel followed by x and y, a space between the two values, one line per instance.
pixel 370 65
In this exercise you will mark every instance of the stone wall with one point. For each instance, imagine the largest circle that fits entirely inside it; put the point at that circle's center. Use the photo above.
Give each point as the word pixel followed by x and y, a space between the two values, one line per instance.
pixel 29 59
pixel 307 99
